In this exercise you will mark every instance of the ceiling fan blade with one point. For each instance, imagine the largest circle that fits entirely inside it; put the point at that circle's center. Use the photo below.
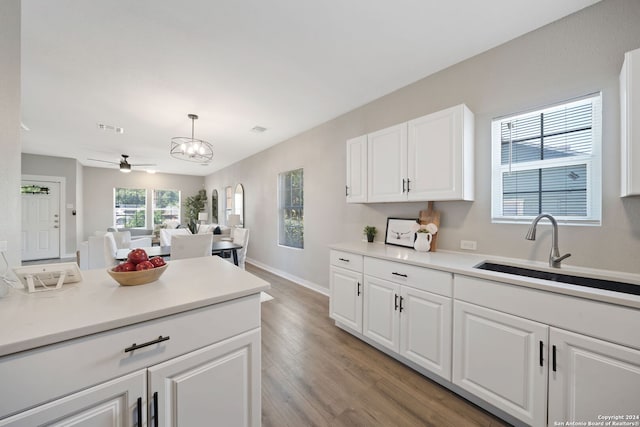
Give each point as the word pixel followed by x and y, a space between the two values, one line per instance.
pixel 104 161
pixel 143 164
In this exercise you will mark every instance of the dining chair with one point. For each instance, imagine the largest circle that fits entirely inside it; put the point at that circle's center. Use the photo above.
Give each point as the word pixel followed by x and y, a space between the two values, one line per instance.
pixel 190 245
pixel 241 237
pixel 110 249
pixel 166 233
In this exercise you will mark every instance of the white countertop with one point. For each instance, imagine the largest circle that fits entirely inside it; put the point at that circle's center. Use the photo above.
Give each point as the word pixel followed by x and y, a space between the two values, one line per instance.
pixel 98 303
pixel 462 263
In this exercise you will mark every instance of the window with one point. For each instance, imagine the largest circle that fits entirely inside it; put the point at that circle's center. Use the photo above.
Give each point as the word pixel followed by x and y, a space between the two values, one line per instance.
pixel 548 161
pixel 166 206
pixel 291 209
pixel 129 207
pixel 228 203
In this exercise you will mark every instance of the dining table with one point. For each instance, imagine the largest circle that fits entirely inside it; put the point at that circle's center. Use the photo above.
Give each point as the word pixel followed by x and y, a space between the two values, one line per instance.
pixel 217 248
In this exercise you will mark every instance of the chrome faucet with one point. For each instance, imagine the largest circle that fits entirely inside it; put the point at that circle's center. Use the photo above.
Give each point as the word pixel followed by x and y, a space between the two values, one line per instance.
pixel 554 257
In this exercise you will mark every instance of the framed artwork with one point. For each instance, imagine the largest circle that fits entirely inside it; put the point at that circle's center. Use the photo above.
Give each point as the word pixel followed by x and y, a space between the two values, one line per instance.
pixel 401 232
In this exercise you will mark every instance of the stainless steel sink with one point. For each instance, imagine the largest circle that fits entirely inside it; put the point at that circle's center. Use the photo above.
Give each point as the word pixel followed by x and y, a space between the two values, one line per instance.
pixel 610 285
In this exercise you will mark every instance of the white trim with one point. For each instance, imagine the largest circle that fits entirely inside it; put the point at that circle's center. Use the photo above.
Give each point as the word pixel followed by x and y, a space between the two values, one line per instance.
pixel 295 279
pixel 62 181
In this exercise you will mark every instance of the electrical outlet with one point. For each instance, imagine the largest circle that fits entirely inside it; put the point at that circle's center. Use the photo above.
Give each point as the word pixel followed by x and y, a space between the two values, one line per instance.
pixel 469 245
pixel 3 246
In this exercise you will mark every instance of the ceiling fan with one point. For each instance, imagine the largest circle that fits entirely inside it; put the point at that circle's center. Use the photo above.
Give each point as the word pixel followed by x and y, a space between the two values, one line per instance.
pixel 125 166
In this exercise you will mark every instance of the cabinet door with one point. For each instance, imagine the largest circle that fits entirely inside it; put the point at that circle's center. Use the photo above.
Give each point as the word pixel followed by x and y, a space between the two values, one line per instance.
pixel 502 359
pixel 381 312
pixel 356 187
pixel 387 164
pixel 216 385
pixel 591 378
pixel 440 161
pixel 425 330
pixel 114 403
pixel 630 127
pixel 345 302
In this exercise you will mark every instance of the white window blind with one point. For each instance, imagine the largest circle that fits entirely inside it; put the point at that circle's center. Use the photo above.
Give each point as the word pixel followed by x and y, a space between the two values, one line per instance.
pixel 548 161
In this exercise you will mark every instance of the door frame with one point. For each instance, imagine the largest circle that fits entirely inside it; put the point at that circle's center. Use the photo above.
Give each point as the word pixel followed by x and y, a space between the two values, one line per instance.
pixel 62 181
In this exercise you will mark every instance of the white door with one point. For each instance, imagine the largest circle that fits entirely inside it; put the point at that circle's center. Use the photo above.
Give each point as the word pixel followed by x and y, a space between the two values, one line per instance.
pixel 216 385
pixel 41 221
pixel 345 303
pixel 592 378
pixel 425 330
pixel 502 359
pixel 381 312
pixel 356 187
pixel 387 164
pixel 118 403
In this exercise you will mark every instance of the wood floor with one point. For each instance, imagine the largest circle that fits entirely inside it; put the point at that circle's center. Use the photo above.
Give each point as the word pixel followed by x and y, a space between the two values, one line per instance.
pixel 315 374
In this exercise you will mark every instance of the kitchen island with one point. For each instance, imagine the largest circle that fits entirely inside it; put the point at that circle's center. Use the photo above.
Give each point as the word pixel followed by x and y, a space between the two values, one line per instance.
pixel 97 350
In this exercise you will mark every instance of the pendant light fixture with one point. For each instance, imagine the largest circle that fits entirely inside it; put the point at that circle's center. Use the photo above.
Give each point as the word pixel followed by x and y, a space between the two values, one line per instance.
pixel 191 149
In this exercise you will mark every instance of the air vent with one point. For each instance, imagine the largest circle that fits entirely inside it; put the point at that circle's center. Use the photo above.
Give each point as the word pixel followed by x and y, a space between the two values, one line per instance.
pixel 258 129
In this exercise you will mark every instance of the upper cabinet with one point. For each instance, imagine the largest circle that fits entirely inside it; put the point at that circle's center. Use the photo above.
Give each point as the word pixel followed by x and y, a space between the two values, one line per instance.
pixel 387 173
pixel 356 187
pixel 630 121
pixel 426 159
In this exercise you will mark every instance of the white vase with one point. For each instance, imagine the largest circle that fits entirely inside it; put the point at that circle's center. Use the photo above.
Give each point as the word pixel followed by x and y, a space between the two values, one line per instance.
pixel 423 242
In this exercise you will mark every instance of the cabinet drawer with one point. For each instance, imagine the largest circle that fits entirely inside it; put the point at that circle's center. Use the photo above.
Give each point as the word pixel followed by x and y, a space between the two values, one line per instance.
pixel 50 372
pixel 346 260
pixel 437 282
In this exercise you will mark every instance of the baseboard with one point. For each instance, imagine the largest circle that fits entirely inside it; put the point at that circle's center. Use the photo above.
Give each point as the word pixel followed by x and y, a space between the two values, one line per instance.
pixel 295 279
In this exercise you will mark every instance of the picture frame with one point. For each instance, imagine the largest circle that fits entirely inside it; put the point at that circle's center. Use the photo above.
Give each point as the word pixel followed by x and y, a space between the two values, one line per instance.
pixel 401 232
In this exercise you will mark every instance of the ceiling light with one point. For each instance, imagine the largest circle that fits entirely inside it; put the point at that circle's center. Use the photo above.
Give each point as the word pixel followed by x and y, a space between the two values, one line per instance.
pixel 191 149
pixel 151 171
pixel 258 129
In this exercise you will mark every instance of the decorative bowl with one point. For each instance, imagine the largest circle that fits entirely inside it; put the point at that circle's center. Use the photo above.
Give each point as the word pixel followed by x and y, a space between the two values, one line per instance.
pixel 142 277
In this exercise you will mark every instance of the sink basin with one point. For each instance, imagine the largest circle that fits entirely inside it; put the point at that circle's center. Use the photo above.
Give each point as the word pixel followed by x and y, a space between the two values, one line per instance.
pixel 609 285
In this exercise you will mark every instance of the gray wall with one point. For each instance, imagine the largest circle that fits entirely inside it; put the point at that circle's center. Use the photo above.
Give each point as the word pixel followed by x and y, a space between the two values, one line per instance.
pixel 10 128
pixel 577 55
pixel 98 185
pixel 33 164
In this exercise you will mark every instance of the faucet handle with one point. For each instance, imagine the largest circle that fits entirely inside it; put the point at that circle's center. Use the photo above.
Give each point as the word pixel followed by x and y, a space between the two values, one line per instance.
pixel 555 261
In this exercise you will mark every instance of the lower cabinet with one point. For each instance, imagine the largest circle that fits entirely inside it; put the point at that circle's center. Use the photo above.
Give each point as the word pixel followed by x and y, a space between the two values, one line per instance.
pixel 590 378
pixel 414 323
pixel 120 402
pixel 345 304
pixel 531 354
pixel 501 359
pixel 218 384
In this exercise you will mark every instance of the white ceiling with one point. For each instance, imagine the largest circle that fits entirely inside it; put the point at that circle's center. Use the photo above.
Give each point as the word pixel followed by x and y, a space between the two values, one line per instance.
pixel 285 65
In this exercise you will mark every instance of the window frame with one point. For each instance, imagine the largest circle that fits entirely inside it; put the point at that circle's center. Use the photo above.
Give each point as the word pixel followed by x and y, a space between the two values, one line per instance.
pixel 592 161
pixel 143 209
pixel 281 208
pixel 153 205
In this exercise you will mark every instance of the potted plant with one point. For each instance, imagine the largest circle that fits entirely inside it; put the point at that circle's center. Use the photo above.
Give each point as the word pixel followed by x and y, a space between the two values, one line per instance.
pixel 193 206
pixel 370 231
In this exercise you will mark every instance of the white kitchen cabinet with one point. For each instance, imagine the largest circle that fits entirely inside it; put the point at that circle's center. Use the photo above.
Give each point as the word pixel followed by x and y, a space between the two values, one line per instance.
pixel 381 312
pixel 502 359
pixel 440 155
pixel 583 370
pixel 425 330
pixel 630 124
pixel 428 158
pixel 356 187
pixel 197 371
pixel 387 164
pixel 120 402
pixel 188 391
pixel 404 317
pixel 346 289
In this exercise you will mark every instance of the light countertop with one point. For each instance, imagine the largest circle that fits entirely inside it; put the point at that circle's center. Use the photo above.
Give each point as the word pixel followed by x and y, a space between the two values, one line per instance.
pixel 462 263
pixel 98 303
